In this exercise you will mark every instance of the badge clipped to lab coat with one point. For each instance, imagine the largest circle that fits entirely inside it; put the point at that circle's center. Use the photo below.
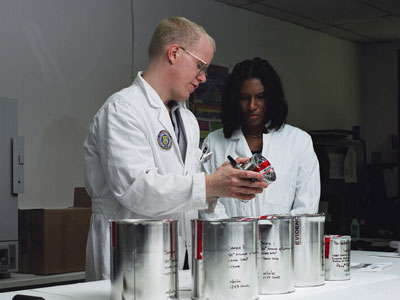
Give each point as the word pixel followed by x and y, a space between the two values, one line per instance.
pixel 205 156
pixel 164 140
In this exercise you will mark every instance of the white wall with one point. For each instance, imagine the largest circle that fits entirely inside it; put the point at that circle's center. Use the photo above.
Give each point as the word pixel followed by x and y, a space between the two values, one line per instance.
pixel 320 73
pixel 62 59
pixel 380 97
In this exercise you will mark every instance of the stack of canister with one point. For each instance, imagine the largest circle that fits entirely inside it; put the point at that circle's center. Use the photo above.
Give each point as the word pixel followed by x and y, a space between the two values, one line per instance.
pixel 144 260
pixel 276 274
pixel 233 259
pixel 308 236
pixel 225 259
pixel 337 257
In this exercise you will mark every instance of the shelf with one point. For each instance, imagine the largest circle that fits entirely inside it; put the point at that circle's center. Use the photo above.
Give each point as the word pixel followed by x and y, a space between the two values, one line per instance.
pixel 22 280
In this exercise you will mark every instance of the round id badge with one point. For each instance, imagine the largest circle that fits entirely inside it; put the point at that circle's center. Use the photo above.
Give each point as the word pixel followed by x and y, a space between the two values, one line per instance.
pixel 164 140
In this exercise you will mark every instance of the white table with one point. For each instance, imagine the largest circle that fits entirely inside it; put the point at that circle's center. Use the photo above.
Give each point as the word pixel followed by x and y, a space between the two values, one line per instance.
pixel 21 280
pixel 363 285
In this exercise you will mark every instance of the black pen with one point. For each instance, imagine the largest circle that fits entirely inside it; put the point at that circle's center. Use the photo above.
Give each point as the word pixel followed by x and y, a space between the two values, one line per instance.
pixel 237 166
pixel 234 163
pixel 204 152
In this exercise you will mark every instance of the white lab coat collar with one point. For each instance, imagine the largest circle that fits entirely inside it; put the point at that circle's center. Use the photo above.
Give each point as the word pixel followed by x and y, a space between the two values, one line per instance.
pixel 155 101
pixel 242 148
pixel 238 133
pixel 152 96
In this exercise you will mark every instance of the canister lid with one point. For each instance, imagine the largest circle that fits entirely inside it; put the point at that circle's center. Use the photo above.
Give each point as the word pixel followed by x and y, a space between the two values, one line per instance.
pixel 227 220
pixel 143 221
pixel 309 215
pixel 275 216
pixel 306 216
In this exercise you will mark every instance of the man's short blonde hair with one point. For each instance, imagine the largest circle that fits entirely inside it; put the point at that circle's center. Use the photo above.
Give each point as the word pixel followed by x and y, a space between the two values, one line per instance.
pixel 177 30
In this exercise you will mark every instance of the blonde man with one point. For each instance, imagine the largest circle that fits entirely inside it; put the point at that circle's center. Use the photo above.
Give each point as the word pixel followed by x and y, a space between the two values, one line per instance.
pixel 142 158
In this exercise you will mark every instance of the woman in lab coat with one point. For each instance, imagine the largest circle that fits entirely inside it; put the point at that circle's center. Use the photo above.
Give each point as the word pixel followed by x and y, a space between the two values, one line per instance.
pixel 142 158
pixel 254 113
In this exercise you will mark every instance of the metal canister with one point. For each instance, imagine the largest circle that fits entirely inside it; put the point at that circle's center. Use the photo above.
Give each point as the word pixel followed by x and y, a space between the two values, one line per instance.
pixel 259 163
pixel 337 257
pixel 309 267
pixel 225 259
pixel 276 275
pixel 144 259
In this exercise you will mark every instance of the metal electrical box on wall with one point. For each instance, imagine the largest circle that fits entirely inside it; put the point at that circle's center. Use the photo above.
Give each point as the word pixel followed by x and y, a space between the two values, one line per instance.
pixel 11 183
pixel 18 164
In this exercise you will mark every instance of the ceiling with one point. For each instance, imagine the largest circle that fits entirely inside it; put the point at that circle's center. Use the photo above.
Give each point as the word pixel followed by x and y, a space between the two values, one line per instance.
pixel 364 21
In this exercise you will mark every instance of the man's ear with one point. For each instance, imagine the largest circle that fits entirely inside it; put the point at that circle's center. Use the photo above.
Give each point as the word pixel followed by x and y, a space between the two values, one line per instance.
pixel 172 53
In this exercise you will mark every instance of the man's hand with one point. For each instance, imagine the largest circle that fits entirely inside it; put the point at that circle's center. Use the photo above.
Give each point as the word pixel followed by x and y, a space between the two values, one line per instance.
pixel 228 181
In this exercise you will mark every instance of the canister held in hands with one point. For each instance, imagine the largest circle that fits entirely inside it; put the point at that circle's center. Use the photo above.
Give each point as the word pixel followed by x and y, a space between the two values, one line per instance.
pixel 257 163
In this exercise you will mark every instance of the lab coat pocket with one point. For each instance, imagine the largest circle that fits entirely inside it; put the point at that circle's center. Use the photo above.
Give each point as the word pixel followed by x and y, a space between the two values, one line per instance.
pixel 193 163
pixel 281 191
pixel 199 163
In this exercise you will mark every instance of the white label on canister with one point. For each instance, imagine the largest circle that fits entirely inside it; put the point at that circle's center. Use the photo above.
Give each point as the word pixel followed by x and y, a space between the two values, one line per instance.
pixel 272 256
pixel 337 257
pixel 170 263
pixel 297 231
pixel 239 257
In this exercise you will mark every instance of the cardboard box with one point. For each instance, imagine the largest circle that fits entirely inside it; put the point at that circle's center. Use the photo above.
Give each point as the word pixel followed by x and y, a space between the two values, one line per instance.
pixel 53 240
pixel 81 198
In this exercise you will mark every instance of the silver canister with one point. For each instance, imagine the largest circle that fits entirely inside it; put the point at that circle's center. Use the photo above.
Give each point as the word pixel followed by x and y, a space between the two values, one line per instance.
pixel 144 260
pixel 225 259
pixel 259 163
pixel 337 257
pixel 276 274
pixel 309 268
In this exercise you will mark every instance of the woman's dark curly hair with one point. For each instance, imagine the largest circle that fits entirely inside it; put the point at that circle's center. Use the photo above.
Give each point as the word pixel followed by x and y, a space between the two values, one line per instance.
pixel 276 106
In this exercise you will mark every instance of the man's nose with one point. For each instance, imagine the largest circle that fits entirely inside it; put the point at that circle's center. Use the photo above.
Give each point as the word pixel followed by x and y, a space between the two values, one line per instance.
pixel 202 77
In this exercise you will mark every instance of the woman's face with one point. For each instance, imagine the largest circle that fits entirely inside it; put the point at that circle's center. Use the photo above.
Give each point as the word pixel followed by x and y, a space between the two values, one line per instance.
pixel 252 103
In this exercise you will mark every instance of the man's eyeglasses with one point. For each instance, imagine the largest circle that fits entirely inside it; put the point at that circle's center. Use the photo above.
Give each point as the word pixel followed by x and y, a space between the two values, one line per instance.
pixel 202 66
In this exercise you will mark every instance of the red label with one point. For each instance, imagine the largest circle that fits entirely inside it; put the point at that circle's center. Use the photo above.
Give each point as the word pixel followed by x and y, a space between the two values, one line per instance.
pixel 199 254
pixel 327 246
pixel 245 219
pixel 172 238
pixel 262 166
pixel 266 217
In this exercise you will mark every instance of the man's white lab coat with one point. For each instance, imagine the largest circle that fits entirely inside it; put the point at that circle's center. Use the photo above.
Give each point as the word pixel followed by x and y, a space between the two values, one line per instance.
pixel 134 169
